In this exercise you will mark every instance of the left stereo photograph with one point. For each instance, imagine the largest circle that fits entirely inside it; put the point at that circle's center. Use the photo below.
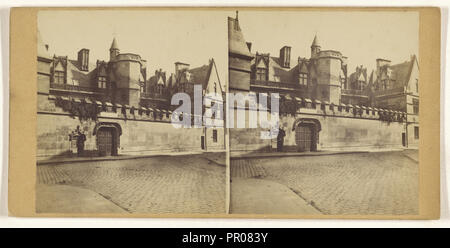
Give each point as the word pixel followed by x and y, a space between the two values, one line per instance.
pixel 130 112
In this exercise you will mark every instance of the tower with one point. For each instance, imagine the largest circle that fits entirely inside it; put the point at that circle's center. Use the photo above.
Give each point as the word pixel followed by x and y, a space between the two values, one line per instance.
pixel 114 50
pixel 329 67
pixel 315 47
pixel 239 57
pixel 44 61
pixel 126 73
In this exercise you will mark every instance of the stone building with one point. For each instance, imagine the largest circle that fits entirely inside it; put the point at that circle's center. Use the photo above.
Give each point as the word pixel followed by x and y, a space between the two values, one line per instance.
pixel 117 105
pixel 324 81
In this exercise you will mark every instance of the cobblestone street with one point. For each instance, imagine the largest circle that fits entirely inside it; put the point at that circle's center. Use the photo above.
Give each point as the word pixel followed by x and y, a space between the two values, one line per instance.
pixel 164 184
pixel 363 183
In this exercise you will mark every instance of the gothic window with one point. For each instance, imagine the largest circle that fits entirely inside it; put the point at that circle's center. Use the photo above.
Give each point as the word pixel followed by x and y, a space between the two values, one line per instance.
pixel 160 89
pixel 215 88
pixel 303 79
pixel 215 136
pixel 261 74
pixel 417 85
pixel 59 77
pixel 142 87
pixel 416 106
pixel 416 132
pixel 101 82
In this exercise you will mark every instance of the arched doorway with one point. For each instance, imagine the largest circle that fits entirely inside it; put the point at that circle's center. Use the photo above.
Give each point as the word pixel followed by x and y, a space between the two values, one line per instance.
pixel 108 138
pixel 306 134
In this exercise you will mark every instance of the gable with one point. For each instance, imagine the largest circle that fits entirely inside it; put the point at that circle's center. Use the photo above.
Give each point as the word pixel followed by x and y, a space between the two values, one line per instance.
pixel 413 77
pixel 261 64
pixel 213 81
pixel 59 66
pixel 160 81
pixel 303 68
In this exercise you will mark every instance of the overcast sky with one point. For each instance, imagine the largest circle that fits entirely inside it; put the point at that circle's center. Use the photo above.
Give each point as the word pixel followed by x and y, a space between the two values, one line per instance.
pixel 161 37
pixel 361 36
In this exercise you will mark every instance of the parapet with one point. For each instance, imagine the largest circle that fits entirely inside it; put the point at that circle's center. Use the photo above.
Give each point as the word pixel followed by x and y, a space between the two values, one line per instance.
pixel 309 106
pixel 87 109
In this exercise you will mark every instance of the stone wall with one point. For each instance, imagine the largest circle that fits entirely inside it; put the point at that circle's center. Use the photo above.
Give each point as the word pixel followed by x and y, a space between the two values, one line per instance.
pixel 144 131
pixel 346 127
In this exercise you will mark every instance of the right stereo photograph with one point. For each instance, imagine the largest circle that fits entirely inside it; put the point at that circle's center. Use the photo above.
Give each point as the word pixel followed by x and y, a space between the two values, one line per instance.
pixel 323 112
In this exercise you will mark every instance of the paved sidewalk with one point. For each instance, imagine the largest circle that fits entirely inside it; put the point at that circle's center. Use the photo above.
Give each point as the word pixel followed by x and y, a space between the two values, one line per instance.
pixel 247 154
pixel 258 196
pixel 241 155
pixel 75 159
pixel 70 199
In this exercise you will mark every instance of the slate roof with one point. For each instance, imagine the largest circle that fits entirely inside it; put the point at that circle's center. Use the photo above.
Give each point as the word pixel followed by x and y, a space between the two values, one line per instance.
pixel 42 47
pixel 114 44
pixel 315 41
pixel 201 75
pixel 400 73
pixel 160 76
pixel 236 41
pixel 285 75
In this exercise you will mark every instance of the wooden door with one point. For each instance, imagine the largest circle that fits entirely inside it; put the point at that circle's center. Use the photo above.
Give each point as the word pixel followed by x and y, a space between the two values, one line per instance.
pixel 105 142
pixel 304 138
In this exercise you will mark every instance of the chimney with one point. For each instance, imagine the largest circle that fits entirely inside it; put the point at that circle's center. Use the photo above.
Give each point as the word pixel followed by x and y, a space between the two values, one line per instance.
pixel 249 45
pixel 285 56
pixel 179 67
pixel 382 62
pixel 83 59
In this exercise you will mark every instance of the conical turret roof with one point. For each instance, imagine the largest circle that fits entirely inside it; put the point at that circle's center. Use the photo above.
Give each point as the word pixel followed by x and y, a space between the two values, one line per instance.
pixel 315 41
pixel 42 50
pixel 114 44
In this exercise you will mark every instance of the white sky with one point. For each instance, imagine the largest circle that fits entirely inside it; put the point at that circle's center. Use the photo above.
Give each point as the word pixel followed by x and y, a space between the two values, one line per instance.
pixel 161 37
pixel 361 36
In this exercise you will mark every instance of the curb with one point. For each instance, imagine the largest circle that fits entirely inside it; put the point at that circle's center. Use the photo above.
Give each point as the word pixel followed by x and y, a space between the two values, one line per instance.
pixel 123 157
pixel 293 154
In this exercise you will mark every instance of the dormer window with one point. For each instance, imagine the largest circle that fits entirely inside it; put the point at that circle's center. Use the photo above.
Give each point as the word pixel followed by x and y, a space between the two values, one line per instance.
pixel 102 82
pixel 361 85
pixel 303 79
pixel 385 84
pixel 261 74
pixel 160 89
pixel 59 77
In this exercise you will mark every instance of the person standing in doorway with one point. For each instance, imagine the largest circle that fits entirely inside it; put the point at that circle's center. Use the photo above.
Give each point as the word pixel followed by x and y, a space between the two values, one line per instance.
pixel 280 139
pixel 80 142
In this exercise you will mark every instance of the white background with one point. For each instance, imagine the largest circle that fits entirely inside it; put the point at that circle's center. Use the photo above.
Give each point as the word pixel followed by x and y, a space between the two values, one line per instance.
pixel 6 221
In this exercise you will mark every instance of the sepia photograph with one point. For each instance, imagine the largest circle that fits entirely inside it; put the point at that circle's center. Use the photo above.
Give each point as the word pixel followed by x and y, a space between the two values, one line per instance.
pixel 343 128
pixel 106 137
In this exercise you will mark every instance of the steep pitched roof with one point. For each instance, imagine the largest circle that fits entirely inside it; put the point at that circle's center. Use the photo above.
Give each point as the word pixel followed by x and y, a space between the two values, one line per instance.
pixel 200 75
pixel 236 41
pixel 42 50
pixel 315 41
pixel 114 44
pixel 399 74
pixel 402 72
pixel 158 78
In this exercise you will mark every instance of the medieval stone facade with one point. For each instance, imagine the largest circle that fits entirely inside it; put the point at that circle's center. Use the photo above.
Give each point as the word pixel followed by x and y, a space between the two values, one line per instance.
pixel 117 106
pixel 324 79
